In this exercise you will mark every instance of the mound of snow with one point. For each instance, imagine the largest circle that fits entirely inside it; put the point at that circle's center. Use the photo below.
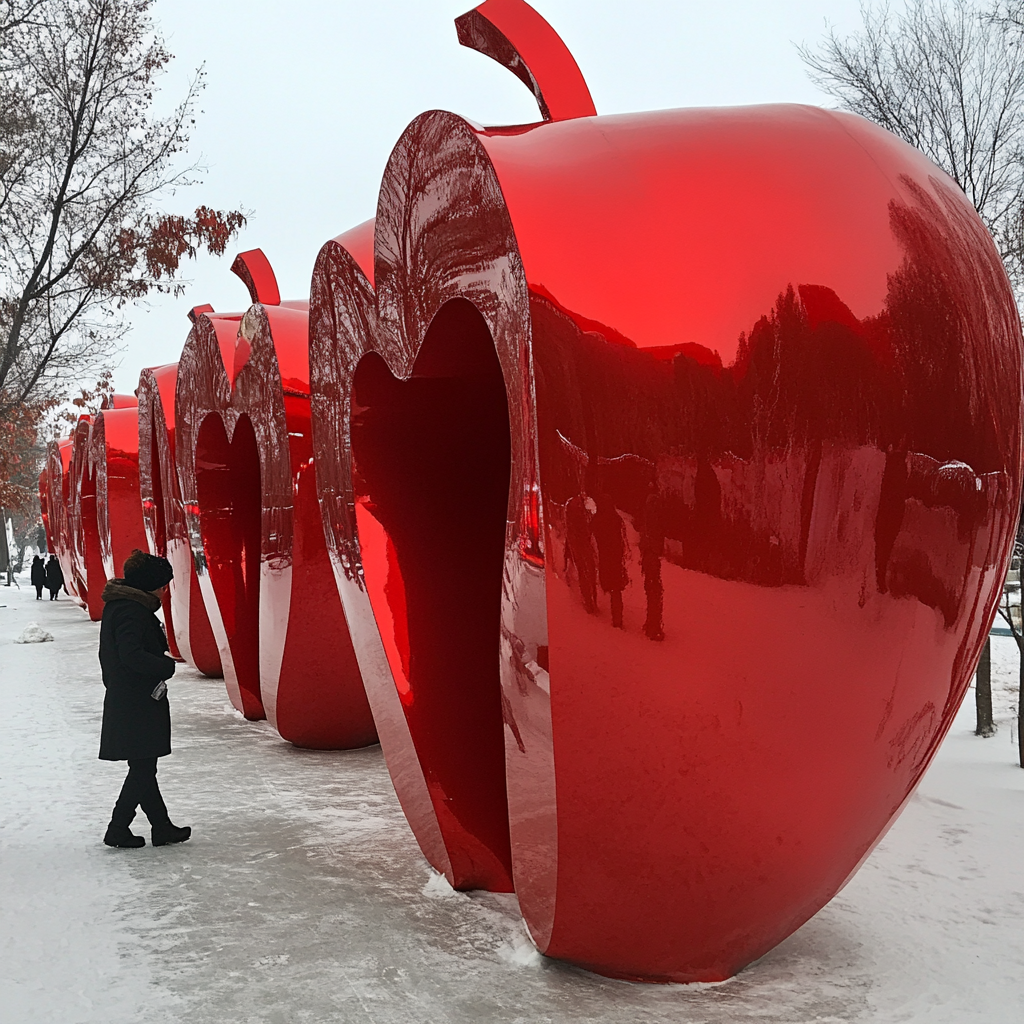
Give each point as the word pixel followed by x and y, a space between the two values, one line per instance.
pixel 33 633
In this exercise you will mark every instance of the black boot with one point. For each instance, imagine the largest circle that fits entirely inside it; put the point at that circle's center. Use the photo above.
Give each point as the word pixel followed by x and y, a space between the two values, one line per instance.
pixel 168 833
pixel 122 837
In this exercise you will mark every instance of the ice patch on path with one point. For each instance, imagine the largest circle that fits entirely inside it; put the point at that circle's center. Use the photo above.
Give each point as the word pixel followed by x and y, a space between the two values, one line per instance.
pixel 33 633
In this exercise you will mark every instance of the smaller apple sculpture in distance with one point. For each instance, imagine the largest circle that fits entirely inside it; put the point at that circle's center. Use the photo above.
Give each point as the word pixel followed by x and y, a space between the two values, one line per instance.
pixel 43 490
pixel 189 631
pixel 86 555
pixel 244 455
pixel 114 461
pixel 678 461
pixel 58 488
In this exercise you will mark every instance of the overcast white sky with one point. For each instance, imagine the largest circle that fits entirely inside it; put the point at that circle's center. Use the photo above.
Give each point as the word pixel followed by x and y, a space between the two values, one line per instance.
pixel 304 102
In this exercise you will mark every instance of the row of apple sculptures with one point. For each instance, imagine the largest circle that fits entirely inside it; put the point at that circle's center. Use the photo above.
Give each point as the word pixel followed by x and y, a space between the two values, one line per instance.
pixel 89 493
pixel 668 467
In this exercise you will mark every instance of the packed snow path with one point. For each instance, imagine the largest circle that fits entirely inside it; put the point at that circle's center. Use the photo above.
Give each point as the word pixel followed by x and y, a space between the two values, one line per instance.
pixel 303 897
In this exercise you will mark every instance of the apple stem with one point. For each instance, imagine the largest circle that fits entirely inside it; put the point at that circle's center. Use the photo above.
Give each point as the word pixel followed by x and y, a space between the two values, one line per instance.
pixel 517 37
pixel 257 275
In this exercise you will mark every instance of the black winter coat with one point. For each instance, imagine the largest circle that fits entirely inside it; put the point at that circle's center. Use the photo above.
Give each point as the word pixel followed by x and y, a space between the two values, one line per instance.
pixel 38 573
pixel 54 575
pixel 132 646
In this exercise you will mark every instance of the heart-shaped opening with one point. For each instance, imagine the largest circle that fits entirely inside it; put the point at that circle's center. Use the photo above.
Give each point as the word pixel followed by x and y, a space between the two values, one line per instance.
pixel 431 462
pixel 229 495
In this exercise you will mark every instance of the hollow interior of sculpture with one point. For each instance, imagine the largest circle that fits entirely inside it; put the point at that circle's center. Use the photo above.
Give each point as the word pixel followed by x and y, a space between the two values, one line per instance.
pixel 431 462
pixel 230 502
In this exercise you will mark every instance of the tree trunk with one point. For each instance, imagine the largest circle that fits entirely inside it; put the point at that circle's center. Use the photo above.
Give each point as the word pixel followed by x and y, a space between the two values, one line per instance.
pixel 983 692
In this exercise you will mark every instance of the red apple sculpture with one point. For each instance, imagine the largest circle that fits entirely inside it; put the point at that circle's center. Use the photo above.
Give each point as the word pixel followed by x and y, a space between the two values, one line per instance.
pixel 189 632
pixel 244 455
pixel 87 570
pixel 43 490
pixel 114 461
pixel 58 490
pixel 670 468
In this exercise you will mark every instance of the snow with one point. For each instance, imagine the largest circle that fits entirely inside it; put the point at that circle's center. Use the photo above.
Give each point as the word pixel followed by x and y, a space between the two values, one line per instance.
pixel 303 897
pixel 33 633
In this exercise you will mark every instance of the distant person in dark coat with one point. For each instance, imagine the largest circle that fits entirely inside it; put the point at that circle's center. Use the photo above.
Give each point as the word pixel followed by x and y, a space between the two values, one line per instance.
pixel 54 577
pixel 38 576
pixel 136 716
pixel 610 533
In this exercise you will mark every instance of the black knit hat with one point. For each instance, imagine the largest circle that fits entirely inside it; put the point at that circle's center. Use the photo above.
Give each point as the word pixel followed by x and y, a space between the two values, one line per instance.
pixel 147 572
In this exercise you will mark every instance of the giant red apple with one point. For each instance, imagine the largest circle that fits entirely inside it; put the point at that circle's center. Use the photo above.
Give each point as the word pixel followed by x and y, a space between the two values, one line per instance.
pixel 244 455
pixel 676 461
pixel 189 631
pixel 87 573
pixel 58 490
pixel 114 460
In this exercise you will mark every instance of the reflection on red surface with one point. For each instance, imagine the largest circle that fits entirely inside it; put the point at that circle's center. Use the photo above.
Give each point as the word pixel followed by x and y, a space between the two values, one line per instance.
pixel 189 631
pixel 87 570
pixel 114 459
pixel 763 380
pixel 244 455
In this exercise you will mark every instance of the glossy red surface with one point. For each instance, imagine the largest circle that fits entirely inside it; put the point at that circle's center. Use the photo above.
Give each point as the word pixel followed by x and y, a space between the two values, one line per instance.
pixel 245 465
pixel 762 445
pixel 86 552
pixel 114 460
pixel 189 633
pixel 58 477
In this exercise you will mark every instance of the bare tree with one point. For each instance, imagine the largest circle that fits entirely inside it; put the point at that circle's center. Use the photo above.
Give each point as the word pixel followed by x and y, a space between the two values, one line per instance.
pixel 82 161
pixel 948 77
pixel 984 721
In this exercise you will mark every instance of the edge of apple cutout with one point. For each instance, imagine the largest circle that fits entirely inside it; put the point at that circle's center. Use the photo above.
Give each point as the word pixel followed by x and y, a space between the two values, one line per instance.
pixel 343 319
pixel 202 347
pixel 495 282
pixel 349 320
pixel 160 495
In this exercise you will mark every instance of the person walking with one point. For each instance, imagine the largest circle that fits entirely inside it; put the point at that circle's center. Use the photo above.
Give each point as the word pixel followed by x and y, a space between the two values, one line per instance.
pixel 54 577
pixel 136 716
pixel 38 576
pixel 610 533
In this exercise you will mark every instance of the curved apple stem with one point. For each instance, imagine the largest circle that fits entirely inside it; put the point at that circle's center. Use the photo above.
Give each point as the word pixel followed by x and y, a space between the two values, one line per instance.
pixel 257 275
pixel 517 37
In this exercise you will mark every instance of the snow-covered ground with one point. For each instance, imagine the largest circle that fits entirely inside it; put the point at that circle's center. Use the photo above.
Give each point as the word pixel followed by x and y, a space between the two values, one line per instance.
pixel 303 897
